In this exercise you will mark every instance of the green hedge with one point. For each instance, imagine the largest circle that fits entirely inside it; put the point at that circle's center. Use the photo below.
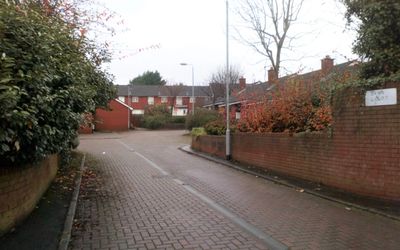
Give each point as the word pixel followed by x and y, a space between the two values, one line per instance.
pixel 218 127
pixel 198 131
pixel 49 76
pixel 200 118
pixel 159 116
pixel 215 128
pixel 154 121
pixel 178 119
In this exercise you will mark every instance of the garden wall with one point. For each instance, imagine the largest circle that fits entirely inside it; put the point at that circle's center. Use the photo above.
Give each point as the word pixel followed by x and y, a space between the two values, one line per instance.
pixel 360 155
pixel 21 188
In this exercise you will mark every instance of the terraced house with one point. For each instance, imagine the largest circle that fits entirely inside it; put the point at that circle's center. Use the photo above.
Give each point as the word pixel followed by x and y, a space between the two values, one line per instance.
pixel 179 97
pixel 249 93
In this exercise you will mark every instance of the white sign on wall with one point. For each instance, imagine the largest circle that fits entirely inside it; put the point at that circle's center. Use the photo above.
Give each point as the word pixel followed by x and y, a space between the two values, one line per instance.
pixel 381 97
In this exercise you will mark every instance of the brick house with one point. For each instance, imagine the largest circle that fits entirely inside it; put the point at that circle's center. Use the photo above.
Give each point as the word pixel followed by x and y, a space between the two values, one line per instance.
pixel 133 100
pixel 251 93
pixel 240 93
pixel 118 118
pixel 178 97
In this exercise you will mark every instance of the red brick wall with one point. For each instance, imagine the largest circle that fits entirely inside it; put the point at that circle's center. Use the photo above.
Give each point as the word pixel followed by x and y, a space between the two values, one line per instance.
pixel 85 129
pixel 21 188
pixel 214 145
pixel 115 119
pixel 142 103
pixel 360 155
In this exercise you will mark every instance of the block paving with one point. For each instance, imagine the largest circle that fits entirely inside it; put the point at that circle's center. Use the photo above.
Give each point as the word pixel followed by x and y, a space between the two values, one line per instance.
pixel 139 207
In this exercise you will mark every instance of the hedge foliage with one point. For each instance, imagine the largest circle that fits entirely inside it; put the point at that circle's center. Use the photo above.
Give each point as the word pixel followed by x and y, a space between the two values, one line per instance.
pixel 198 131
pixel 292 108
pixel 378 36
pixel 49 75
pixel 154 121
pixel 217 127
pixel 201 117
pixel 156 116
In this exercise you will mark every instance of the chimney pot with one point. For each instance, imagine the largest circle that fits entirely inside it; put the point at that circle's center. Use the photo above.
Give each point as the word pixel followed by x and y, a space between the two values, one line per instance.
pixel 272 77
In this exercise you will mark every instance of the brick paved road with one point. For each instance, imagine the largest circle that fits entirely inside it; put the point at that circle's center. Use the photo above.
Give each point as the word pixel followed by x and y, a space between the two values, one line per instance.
pixel 143 204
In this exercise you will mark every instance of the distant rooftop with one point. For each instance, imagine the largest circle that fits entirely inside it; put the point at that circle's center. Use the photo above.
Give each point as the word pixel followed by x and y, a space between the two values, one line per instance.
pixel 162 90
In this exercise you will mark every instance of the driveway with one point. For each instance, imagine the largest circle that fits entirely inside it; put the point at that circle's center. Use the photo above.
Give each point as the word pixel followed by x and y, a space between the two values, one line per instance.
pixel 156 196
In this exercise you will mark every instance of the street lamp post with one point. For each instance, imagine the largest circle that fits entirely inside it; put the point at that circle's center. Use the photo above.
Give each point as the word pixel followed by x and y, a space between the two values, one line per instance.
pixel 129 104
pixel 193 100
pixel 227 80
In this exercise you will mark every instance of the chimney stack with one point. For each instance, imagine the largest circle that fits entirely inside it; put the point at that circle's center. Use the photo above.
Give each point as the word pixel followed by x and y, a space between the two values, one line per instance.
pixel 272 77
pixel 242 83
pixel 326 65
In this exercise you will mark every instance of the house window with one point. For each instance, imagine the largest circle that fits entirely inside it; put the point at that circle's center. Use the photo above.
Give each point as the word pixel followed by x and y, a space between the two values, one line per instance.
pixel 135 99
pixel 179 100
pixel 150 100
pixel 121 98
pixel 237 115
pixel 137 112
pixel 179 112
pixel 192 99
pixel 164 99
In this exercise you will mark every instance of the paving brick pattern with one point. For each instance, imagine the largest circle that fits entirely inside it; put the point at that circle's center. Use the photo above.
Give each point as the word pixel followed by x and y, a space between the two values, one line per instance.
pixel 304 222
pixel 139 208
pixel 299 220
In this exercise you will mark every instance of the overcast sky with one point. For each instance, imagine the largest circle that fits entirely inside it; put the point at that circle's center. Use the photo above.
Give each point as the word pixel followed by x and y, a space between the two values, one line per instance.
pixel 161 34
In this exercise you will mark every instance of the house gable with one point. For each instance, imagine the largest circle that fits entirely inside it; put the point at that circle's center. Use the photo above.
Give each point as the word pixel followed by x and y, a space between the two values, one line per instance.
pixel 115 119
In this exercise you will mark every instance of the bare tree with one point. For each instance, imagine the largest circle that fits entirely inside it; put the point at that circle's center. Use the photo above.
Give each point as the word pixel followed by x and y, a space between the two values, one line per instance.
pixel 217 81
pixel 219 75
pixel 269 21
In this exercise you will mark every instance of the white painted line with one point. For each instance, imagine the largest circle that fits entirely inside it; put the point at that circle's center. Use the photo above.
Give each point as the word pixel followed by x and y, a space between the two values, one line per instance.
pixel 270 242
pixel 179 181
pixel 162 171
pixel 248 227
pixel 126 146
pixel 144 158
